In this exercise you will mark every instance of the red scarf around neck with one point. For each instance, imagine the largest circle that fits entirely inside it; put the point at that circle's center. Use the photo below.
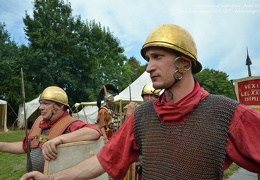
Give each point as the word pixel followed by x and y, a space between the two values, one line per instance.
pixel 179 112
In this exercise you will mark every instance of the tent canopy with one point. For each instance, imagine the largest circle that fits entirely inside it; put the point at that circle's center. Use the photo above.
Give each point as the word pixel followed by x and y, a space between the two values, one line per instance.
pixel 31 111
pixel 134 90
pixel 3 114
pixel 88 114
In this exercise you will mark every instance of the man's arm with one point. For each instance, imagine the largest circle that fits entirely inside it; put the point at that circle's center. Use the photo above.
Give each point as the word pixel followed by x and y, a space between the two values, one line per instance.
pixel 49 148
pixel 102 121
pixel 87 169
pixel 12 147
pixel 104 134
pixel 83 134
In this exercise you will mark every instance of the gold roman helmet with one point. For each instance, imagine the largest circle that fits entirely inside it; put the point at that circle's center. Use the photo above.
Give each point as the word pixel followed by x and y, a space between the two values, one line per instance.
pixel 174 37
pixel 148 89
pixel 56 94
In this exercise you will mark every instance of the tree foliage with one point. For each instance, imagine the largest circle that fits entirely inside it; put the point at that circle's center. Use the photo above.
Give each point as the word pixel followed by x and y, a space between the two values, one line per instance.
pixel 131 70
pixel 78 56
pixel 215 82
pixel 9 71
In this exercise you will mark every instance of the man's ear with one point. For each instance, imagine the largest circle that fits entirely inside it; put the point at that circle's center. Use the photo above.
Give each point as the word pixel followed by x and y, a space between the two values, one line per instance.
pixel 187 62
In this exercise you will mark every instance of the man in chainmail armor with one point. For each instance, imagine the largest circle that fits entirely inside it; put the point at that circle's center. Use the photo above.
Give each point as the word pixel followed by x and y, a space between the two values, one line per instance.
pixel 187 133
pixel 53 127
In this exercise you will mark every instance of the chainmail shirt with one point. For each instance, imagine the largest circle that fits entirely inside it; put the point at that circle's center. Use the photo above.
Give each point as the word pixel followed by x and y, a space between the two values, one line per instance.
pixel 194 149
pixel 37 156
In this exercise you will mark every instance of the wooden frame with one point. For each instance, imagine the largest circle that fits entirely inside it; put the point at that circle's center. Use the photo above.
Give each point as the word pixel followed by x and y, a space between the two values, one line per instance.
pixel 70 154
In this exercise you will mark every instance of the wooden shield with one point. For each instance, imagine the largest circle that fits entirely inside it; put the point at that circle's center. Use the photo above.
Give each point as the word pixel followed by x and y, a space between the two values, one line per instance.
pixel 70 154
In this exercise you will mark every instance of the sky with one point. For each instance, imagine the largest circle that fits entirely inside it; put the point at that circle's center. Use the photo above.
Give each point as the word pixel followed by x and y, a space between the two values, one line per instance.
pixel 222 29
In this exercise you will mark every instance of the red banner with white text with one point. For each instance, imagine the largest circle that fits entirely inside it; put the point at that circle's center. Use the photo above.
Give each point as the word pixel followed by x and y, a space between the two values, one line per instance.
pixel 248 91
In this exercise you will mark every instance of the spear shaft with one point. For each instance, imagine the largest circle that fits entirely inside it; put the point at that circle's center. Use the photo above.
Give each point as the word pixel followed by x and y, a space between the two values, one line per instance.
pixel 130 94
pixel 28 149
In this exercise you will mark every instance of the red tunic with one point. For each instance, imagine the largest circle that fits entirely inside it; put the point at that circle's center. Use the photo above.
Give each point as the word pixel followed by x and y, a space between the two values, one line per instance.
pixel 243 145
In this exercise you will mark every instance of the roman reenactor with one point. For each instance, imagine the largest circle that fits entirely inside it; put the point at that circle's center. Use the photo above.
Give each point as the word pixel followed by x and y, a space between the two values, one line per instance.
pixel 105 110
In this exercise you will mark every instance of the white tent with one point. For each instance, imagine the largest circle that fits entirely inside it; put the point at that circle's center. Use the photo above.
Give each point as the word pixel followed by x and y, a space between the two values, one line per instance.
pixel 134 90
pixel 31 111
pixel 88 114
pixel 3 114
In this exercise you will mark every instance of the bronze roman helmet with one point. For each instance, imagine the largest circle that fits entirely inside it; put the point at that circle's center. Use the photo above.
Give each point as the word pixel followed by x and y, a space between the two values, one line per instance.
pixel 56 94
pixel 176 38
pixel 148 89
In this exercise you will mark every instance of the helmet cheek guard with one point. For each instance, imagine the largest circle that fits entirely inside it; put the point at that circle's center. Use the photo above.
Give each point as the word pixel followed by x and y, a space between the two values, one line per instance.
pixel 178 74
pixel 109 100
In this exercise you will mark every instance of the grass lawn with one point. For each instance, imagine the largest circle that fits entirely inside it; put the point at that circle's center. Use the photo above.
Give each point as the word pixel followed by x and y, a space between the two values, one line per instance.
pixel 13 165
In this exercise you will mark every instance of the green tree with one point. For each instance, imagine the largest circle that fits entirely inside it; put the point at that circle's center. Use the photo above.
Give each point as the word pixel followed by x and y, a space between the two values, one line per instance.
pixel 104 53
pixel 10 73
pixel 10 84
pixel 136 66
pixel 131 70
pixel 53 46
pixel 77 56
pixel 215 82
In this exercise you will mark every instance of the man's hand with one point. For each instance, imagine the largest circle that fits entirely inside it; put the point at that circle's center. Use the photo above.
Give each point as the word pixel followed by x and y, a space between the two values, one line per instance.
pixel 130 109
pixel 35 175
pixel 49 148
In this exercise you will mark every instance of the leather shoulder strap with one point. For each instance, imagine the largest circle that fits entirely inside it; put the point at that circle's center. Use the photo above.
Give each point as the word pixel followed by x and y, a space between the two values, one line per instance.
pixel 59 127
pixel 35 128
pixel 56 130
